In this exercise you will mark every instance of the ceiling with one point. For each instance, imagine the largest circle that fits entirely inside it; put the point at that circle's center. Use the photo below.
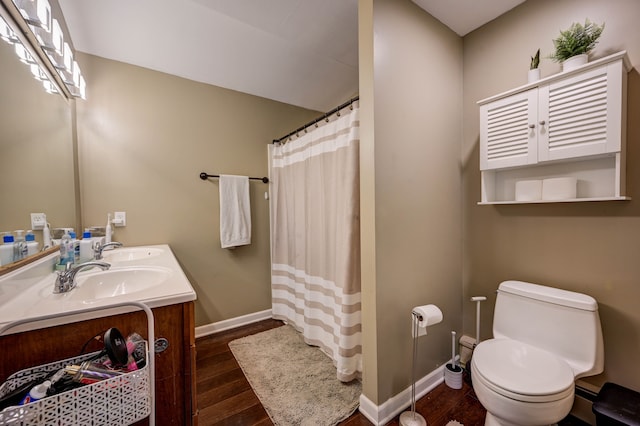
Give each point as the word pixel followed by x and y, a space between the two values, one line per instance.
pixel 301 52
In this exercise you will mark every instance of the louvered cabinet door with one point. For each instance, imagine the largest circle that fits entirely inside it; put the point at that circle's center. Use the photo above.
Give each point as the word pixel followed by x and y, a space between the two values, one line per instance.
pixel 508 136
pixel 582 115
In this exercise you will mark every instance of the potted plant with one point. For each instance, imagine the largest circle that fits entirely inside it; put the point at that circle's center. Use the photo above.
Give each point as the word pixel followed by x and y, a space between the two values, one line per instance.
pixel 574 44
pixel 534 71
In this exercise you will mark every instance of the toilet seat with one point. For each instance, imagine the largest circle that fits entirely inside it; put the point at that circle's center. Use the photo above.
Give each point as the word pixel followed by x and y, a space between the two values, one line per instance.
pixel 522 372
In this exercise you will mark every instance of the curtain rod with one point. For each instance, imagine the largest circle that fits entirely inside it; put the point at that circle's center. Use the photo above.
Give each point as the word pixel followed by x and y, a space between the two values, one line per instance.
pixel 323 117
pixel 204 176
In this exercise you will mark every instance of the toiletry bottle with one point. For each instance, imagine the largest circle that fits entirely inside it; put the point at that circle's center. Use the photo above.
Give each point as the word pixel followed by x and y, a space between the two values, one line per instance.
pixel 108 231
pixel 86 247
pixel 32 244
pixel 37 392
pixel 6 250
pixel 76 247
pixel 66 249
pixel 46 235
pixel 19 246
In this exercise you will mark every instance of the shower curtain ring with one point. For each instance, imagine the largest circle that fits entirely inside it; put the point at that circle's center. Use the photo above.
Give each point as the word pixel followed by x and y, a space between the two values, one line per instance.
pixel 338 113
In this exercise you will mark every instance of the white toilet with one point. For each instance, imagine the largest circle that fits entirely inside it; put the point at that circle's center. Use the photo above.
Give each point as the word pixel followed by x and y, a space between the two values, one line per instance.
pixel 543 339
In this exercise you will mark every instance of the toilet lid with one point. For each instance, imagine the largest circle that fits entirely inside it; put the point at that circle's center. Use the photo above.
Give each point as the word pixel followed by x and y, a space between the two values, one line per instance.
pixel 522 369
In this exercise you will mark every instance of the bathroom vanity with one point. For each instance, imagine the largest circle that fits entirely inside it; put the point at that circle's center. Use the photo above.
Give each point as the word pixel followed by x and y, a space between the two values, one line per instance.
pixel 150 275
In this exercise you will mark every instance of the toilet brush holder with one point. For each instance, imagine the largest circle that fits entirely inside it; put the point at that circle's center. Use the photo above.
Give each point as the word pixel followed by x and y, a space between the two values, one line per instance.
pixel 453 376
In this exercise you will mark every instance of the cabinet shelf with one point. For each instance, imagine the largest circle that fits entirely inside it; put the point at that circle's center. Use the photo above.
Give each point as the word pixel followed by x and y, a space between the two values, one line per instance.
pixel 568 200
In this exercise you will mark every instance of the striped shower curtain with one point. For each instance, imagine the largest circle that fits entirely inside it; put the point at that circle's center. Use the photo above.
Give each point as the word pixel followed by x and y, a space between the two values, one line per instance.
pixel 315 238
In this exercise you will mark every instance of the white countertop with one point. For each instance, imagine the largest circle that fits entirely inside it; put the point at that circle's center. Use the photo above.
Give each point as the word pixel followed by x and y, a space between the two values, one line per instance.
pixel 27 293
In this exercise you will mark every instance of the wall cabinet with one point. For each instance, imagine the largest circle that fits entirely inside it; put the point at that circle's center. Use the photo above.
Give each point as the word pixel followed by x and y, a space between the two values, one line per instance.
pixel 571 124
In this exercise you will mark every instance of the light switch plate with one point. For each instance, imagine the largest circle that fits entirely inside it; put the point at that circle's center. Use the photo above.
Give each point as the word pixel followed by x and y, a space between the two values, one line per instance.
pixel 119 219
pixel 38 220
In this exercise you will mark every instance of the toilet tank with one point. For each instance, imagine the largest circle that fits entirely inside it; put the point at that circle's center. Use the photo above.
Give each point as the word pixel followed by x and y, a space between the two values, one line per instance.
pixel 562 322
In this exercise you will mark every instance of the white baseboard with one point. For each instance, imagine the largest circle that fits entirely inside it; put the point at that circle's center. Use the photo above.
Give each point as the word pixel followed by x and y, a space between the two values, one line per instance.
pixel 217 327
pixel 383 414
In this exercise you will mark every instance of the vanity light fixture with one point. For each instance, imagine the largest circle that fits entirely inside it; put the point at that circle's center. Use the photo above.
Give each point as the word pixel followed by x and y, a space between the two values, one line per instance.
pixel 49 86
pixel 79 88
pixel 24 55
pixel 6 33
pixel 47 40
pixel 50 41
pixel 35 12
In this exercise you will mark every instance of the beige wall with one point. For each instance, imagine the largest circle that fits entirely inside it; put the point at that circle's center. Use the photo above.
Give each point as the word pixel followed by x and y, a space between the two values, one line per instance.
pixel 144 137
pixel 587 247
pixel 415 147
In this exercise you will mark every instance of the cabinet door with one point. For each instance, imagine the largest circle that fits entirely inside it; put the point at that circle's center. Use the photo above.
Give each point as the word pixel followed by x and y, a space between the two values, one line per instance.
pixel 581 115
pixel 507 131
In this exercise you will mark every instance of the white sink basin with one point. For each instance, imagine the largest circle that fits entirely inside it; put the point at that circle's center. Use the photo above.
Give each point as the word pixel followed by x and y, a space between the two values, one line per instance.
pixel 150 275
pixel 117 282
pixel 95 285
pixel 131 254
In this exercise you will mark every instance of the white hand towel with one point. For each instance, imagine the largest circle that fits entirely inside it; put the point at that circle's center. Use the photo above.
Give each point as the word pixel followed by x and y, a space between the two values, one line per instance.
pixel 235 211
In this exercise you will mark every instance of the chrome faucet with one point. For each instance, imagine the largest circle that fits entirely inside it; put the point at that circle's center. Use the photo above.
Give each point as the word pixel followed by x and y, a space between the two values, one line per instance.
pixel 97 249
pixel 66 279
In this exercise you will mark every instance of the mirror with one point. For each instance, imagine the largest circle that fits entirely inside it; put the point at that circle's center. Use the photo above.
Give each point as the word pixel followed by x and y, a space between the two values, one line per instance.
pixel 37 164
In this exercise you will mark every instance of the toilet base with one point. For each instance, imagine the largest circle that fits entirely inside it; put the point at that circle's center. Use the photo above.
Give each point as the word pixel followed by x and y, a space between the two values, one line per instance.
pixel 491 420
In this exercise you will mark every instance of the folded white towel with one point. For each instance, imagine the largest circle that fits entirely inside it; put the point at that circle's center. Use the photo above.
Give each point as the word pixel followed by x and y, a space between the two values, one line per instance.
pixel 235 211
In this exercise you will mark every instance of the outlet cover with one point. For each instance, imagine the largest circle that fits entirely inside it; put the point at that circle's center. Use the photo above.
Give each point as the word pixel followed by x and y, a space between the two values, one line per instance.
pixel 119 219
pixel 38 220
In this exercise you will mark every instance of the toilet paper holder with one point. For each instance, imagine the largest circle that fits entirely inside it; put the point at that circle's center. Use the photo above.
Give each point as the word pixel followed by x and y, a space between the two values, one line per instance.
pixel 422 317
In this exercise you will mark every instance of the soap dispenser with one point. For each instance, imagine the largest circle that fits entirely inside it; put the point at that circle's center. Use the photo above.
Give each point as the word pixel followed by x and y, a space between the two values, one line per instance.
pixel 66 250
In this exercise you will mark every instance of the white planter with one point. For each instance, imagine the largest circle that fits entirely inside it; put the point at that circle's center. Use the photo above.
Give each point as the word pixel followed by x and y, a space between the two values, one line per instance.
pixel 574 62
pixel 534 75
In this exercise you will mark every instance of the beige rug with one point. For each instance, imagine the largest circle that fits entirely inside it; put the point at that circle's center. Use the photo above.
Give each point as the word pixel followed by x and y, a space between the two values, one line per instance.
pixel 296 383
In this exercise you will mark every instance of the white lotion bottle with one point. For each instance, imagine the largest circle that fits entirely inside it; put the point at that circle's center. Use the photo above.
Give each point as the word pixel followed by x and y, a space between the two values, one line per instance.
pixel 86 247
pixel 32 244
pixel 6 250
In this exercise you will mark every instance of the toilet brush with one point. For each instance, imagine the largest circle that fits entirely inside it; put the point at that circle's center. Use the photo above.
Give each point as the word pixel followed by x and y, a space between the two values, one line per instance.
pixel 453 372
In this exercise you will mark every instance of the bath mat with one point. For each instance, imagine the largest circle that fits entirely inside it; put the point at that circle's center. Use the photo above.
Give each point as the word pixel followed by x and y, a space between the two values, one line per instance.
pixel 296 383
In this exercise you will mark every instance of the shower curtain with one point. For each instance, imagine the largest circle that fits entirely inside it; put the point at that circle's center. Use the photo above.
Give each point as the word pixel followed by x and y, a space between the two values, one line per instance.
pixel 315 238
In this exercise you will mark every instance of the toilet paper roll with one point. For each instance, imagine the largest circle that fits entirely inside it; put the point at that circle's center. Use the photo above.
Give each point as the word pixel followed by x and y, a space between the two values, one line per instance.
pixel 430 314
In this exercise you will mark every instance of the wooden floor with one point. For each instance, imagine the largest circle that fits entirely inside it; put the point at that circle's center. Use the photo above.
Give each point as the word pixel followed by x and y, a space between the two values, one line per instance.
pixel 225 397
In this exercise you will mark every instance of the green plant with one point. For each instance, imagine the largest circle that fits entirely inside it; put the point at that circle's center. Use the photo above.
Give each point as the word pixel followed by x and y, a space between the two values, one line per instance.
pixel 535 60
pixel 578 39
